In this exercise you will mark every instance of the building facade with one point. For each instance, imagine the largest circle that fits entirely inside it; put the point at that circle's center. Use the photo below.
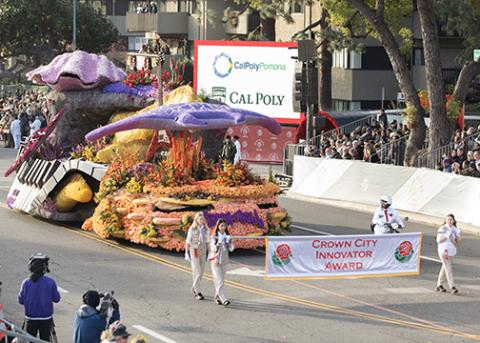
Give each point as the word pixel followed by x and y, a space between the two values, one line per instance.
pixel 366 80
pixel 177 22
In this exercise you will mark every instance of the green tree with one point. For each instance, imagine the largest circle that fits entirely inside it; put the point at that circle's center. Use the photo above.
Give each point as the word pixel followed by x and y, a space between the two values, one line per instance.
pixel 268 10
pixel 382 20
pixel 40 29
pixel 462 18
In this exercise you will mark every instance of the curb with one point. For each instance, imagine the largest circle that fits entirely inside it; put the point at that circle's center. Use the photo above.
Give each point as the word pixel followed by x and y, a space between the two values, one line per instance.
pixel 413 216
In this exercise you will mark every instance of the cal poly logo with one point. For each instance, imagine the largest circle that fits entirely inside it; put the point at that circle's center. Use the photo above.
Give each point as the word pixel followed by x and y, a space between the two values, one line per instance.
pixel 282 255
pixel 222 66
pixel 404 252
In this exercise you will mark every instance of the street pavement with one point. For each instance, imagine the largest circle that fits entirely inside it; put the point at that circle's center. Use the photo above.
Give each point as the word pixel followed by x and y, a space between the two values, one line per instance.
pixel 153 286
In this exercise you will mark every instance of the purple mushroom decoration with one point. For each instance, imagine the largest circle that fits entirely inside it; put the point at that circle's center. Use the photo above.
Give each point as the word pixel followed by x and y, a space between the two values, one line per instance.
pixel 181 121
pixel 188 116
pixel 76 71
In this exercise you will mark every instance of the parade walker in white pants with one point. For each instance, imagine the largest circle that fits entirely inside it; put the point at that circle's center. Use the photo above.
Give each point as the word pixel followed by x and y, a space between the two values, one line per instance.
pixel 196 249
pixel 220 246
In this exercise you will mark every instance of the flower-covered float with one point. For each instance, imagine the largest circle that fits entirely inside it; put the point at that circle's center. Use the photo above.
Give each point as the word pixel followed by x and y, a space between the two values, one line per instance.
pixel 154 203
pixel 125 180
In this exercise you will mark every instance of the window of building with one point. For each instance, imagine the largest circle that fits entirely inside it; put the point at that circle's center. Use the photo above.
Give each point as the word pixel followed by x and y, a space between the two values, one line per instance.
pixel 135 43
pixel 373 104
pixel 418 57
pixel 340 105
pixel 354 105
pixel 187 6
pixel 355 60
pixel 295 6
pixel 375 58
pixel 340 59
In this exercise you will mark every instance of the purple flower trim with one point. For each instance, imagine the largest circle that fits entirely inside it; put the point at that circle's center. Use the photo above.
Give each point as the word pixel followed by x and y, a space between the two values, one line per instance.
pixel 122 88
pixel 237 216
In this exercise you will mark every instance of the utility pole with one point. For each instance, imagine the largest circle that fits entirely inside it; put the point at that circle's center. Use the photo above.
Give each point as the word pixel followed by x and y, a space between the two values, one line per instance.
pixel 74 25
pixel 161 59
pixel 306 55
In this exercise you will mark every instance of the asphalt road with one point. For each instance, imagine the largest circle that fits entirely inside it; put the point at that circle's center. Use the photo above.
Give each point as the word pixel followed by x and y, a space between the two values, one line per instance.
pixel 152 287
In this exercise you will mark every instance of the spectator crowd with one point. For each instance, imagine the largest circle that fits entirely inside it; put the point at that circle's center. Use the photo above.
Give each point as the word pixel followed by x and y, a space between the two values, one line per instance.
pixel 464 158
pixel 21 115
pixel 385 142
pixel 365 142
pixel 147 7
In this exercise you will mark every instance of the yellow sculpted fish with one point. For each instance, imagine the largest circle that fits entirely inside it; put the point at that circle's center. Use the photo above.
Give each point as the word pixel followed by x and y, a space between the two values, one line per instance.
pixel 76 190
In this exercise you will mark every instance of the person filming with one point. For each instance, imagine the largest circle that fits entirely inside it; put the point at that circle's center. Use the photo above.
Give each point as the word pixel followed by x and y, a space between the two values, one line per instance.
pixel 386 219
pixel 37 294
pixel 89 322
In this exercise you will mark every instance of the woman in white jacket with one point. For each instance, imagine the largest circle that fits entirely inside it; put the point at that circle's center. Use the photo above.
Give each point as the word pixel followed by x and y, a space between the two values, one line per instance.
pixel 220 246
pixel 196 251
pixel 448 238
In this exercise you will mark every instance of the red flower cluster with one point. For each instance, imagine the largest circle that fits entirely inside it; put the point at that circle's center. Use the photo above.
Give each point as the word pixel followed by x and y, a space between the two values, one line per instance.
pixel 141 78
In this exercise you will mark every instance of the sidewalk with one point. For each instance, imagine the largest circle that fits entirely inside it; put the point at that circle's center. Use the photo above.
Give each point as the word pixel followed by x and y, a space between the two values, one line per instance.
pixel 414 217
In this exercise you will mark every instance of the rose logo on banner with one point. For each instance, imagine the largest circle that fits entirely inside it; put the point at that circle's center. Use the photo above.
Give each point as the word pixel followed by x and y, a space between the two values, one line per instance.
pixel 244 130
pixel 404 252
pixel 259 143
pixel 282 255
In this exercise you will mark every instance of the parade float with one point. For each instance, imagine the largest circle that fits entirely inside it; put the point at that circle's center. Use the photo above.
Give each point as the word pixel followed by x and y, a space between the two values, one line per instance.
pixel 125 167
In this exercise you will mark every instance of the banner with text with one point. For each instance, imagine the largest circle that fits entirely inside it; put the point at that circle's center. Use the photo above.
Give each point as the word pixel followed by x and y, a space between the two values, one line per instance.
pixel 323 257
pixel 256 76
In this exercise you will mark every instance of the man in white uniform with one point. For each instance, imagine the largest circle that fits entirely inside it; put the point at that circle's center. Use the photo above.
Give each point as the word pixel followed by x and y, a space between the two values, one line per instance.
pixel 16 132
pixel 386 219
pixel 238 154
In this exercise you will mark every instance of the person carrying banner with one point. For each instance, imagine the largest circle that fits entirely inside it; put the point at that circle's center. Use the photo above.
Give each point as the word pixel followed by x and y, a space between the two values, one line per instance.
pixel 448 239
pixel 220 246
pixel 386 219
pixel 196 249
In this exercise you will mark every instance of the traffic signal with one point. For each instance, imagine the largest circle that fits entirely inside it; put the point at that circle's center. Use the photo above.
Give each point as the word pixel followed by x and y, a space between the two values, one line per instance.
pixel 299 86
pixel 305 86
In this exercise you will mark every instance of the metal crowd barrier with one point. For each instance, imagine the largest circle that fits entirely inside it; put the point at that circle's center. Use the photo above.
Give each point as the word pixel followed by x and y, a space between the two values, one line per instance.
pixel 430 159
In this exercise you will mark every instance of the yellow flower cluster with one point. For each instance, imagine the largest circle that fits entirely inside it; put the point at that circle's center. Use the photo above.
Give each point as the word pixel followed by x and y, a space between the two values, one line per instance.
pixel 265 190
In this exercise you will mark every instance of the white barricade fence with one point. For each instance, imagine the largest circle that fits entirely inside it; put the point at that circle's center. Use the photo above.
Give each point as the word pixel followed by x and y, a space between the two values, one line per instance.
pixel 325 257
pixel 419 190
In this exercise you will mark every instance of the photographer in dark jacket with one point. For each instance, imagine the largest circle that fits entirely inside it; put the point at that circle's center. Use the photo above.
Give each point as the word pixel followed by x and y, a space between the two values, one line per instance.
pixel 37 295
pixel 89 322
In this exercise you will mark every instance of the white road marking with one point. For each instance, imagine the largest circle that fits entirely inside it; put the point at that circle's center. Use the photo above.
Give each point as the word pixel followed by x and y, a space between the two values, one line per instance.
pixel 246 272
pixel 62 290
pixel 332 234
pixel 409 290
pixel 312 230
pixel 474 287
pixel 154 334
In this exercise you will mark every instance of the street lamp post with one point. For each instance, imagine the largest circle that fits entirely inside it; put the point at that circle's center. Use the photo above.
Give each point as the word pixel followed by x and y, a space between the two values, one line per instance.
pixel 74 26
pixel 161 59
